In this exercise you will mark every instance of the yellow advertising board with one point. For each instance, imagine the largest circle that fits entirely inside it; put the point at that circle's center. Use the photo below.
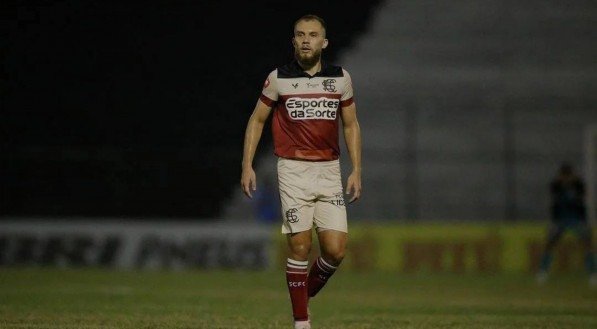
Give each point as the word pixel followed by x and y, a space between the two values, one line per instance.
pixel 451 247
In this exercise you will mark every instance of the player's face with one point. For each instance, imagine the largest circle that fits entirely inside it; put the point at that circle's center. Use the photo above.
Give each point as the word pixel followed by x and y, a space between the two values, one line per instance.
pixel 309 39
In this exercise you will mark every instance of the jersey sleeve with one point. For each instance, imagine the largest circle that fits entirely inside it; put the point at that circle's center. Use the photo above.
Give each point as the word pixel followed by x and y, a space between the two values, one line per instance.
pixel 347 93
pixel 269 94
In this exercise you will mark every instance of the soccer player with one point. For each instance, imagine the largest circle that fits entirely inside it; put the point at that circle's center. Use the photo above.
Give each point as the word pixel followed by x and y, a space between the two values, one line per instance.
pixel 309 98
pixel 568 213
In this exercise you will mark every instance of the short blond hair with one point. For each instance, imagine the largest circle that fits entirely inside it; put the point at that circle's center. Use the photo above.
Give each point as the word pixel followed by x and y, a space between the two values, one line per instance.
pixel 311 17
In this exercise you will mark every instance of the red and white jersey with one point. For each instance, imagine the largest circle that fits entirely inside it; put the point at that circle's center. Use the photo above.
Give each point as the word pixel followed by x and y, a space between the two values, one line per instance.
pixel 307 110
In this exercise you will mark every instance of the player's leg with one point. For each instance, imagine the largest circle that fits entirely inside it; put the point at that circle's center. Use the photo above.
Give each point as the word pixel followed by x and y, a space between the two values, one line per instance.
pixel 332 228
pixel 297 265
pixel 298 204
pixel 299 246
pixel 333 247
pixel 553 236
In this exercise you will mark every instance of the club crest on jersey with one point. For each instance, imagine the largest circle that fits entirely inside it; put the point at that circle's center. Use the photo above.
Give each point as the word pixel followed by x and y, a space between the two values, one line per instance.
pixel 312 108
pixel 328 85
pixel 266 83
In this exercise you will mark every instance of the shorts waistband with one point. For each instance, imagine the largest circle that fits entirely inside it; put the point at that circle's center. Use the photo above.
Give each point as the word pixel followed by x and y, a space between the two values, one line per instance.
pixel 324 163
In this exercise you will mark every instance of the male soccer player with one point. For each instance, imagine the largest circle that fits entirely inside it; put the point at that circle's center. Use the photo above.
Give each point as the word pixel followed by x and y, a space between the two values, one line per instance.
pixel 309 98
pixel 568 213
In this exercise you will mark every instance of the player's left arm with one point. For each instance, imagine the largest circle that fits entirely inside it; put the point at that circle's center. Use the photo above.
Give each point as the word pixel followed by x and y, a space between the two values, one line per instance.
pixel 352 137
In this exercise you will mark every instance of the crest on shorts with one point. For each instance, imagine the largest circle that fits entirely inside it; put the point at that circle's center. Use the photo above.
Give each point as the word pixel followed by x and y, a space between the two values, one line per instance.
pixel 291 215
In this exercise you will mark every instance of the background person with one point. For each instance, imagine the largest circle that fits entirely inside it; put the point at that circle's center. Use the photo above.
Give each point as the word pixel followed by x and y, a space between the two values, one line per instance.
pixel 568 213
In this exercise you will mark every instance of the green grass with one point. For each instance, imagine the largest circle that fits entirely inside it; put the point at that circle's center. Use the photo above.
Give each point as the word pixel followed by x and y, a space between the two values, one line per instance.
pixel 93 298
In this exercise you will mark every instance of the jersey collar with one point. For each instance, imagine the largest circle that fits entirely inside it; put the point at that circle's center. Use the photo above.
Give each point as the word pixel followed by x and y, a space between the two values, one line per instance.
pixel 297 70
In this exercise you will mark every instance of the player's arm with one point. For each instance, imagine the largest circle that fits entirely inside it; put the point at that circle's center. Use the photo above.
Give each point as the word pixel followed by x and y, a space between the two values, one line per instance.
pixel 253 132
pixel 352 136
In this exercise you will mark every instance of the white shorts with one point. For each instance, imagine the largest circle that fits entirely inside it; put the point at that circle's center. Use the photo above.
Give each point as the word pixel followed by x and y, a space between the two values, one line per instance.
pixel 311 192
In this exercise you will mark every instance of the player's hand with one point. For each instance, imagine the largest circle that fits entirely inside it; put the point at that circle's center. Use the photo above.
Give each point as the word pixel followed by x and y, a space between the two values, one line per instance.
pixel 248 181
pixel 353 186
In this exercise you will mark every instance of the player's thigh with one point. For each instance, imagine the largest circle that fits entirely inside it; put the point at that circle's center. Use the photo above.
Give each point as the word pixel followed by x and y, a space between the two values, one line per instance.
pixel 330 214
pixel 297 217
pixel 296 202
pixel 330 209
pixel 332 243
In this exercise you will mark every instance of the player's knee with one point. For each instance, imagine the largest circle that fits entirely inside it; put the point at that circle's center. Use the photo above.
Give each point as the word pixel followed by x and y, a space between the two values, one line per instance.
pixel 334 256
pixel 300 251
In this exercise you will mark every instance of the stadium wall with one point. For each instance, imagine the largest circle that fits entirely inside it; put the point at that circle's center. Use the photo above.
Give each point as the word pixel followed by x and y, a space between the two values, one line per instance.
pixel 401 248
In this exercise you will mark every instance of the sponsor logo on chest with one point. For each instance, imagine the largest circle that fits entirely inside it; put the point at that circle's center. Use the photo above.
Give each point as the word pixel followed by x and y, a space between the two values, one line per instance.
pixel 322 108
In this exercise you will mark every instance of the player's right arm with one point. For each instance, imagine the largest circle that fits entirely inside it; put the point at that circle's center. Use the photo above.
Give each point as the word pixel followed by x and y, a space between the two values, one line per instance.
pixel 253 132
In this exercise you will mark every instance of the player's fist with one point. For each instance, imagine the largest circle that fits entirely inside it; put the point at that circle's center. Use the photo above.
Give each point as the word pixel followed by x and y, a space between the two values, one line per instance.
pixel 248 181
pixel 353 186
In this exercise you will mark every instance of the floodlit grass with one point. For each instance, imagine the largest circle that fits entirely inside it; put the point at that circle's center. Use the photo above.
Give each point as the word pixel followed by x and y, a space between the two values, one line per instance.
pixel 94 298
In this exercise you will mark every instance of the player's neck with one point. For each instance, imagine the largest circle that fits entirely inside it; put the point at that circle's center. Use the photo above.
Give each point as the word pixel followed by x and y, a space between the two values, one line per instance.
pixel 312 70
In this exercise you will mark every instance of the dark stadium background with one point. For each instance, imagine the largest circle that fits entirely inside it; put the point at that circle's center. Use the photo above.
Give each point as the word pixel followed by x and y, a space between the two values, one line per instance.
pixel 138 109
pixel 121 135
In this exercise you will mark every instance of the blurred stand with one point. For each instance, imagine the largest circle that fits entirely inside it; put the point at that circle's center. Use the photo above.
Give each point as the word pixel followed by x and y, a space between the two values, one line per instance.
pixel 465 107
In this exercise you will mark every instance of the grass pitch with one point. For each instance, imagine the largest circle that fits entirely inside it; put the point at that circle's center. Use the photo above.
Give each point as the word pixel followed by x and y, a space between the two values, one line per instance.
pixel 94 298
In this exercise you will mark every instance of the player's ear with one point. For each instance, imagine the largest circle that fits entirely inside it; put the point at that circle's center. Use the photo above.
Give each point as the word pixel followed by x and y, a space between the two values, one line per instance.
pixel 325 43
pixel 294 42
